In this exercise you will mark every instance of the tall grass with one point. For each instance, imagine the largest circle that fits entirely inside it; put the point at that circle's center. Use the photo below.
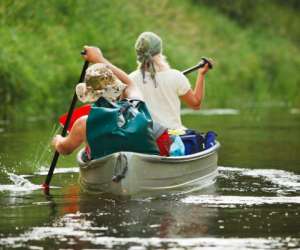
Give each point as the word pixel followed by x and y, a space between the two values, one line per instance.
pixel 41 41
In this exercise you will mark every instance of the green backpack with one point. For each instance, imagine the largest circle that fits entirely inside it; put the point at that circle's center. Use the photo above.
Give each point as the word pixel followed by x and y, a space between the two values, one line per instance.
pixel 124 125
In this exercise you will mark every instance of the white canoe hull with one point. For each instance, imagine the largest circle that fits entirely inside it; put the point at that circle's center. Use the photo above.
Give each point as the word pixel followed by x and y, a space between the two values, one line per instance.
pixel 148 174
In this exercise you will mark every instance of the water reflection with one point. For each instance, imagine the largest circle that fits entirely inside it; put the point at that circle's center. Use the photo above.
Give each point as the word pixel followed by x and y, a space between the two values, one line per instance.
pixel 253 205
pixel 70 218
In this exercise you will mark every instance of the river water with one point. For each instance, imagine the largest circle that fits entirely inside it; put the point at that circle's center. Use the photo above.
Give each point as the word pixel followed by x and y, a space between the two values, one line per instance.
pixel 254 203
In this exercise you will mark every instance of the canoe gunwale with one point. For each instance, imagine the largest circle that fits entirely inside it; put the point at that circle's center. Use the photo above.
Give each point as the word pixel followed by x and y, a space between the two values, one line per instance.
pixel 151 158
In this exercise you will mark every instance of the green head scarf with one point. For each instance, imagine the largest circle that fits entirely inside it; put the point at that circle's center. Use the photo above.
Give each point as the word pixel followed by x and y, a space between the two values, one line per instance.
pixel 148 45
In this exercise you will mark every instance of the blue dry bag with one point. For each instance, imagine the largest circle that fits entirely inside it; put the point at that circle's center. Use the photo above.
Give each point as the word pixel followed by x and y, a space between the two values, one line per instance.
pixel 210 139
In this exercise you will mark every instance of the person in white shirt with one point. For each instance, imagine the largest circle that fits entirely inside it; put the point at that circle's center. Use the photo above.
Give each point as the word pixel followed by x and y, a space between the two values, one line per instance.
pixel 162 87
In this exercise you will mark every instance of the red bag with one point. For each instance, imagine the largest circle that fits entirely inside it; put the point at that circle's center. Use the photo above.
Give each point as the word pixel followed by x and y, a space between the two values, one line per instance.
pixel 164 143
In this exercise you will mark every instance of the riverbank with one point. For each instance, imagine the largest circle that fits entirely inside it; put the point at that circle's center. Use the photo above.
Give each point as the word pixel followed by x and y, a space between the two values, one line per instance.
pixel 256 61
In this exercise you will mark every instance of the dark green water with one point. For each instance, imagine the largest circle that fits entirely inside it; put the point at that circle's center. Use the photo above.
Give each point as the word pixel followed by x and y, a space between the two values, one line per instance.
pixel 254 204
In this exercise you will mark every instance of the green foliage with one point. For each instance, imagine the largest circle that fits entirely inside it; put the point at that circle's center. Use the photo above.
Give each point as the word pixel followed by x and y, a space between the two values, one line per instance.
pixel 256 49
pixel 277 17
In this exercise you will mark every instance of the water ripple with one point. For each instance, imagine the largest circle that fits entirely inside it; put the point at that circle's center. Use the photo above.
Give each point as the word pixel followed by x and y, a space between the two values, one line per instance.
pixel 44 170
pixel 232 201
pixel 106 242
pixel 295 111
pixel 282 178
pixel 210 112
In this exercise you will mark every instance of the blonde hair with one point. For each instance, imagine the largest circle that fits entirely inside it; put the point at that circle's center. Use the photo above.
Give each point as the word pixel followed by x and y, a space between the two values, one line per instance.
pixel 160 63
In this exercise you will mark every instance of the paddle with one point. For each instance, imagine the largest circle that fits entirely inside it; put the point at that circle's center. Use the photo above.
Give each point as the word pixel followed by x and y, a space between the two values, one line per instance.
pixel 198 66
pixel 85 110
pixel 64 131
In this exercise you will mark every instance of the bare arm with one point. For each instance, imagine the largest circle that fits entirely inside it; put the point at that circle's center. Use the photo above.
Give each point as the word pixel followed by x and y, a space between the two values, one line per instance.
pixel 193 98
pixel 94 55
pixel 66 145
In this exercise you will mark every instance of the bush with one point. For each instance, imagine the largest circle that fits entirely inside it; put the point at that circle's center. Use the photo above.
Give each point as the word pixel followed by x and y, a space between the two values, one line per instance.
pixel 257 57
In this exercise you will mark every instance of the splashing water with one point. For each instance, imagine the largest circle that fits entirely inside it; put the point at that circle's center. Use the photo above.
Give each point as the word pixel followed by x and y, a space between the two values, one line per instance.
pixel 44 149
pixel 19 184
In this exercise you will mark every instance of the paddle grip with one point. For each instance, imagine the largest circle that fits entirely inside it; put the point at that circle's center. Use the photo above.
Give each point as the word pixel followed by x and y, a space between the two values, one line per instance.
pixel 207 61
pixel 198 66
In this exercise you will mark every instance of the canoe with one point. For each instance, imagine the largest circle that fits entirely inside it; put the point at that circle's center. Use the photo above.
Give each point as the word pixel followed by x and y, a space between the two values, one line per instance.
pixel 135 174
